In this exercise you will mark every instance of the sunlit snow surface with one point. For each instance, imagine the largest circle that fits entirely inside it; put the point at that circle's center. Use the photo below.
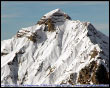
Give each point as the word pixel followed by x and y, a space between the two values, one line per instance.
pixel 54 56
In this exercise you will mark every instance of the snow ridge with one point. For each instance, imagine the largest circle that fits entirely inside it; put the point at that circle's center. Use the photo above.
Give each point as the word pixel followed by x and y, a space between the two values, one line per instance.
pixel 57 50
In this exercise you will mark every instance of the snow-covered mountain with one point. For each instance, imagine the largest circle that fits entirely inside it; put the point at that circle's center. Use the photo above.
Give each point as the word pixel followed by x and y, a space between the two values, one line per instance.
pixel 57 50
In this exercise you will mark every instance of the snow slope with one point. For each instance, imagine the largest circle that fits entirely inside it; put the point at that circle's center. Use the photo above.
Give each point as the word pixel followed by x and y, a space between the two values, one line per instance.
pixel 56 51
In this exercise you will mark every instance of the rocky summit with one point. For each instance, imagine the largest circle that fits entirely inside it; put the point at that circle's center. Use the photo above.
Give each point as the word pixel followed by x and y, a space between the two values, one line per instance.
pixel 56 50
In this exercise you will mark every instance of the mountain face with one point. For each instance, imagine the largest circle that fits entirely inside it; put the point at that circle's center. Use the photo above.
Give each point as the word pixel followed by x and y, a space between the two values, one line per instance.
pixel 57 50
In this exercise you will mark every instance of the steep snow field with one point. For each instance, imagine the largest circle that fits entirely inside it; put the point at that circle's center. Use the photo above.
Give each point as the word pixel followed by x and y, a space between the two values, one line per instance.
pixel 54 51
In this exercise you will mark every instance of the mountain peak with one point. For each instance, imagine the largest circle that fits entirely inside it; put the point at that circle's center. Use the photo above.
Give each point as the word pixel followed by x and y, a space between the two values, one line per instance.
pixel 55 16
pixel 57 50
pixel 59 11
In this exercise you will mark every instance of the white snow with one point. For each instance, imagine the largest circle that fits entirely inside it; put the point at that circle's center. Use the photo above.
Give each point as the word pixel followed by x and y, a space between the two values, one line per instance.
pixel 54 56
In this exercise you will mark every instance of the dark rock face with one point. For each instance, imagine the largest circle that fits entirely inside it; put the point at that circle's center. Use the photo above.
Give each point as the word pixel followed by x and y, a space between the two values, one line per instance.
pixel 33 37
pixel 94 53
pixel 48 23
pixel 101 75
pixel 2 53
pixel 93 73
pixel 72 79
pixel 21 34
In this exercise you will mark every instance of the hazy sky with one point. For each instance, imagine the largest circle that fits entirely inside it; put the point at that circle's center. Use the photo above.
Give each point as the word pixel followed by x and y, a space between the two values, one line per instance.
pixel 19 14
